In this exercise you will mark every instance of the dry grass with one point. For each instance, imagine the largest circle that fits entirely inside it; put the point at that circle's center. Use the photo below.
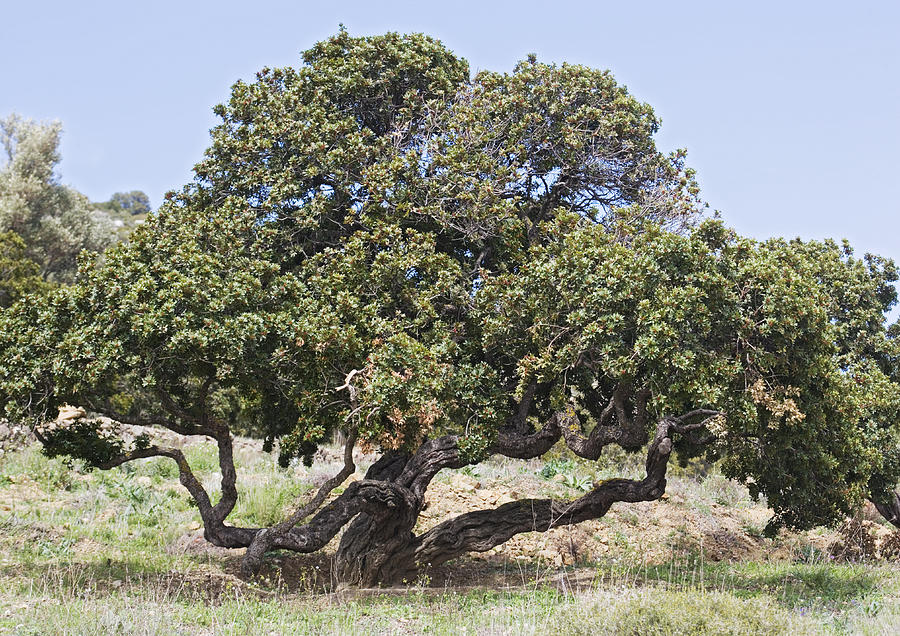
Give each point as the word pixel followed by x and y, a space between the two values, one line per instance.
pixel 120 553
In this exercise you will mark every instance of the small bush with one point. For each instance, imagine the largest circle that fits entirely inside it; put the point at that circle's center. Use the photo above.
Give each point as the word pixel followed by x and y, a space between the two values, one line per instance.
pixel 557 466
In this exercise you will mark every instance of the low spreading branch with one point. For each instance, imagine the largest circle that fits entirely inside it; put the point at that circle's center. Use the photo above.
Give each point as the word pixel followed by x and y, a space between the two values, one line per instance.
pixel 267 538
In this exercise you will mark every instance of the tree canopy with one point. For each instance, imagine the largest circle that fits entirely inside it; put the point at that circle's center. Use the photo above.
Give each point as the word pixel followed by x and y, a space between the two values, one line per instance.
pixel 133 203
pixel 445 268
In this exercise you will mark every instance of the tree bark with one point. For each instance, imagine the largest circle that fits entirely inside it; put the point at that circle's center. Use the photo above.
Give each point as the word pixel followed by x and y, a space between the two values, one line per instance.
pixel 365 555
pixel 890 509
pixel 379 547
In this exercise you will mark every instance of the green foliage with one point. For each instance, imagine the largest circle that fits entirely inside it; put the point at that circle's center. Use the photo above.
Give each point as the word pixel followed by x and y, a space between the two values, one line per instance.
pixel 55 221
pixel 557 466
pixel 19 275
pixel 393 186
pixel 202 303
pixel 135 203
pixel 85 440
pixel 713 321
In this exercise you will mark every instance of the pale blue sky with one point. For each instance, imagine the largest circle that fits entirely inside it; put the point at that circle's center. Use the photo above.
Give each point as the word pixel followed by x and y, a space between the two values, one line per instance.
pixel 790 110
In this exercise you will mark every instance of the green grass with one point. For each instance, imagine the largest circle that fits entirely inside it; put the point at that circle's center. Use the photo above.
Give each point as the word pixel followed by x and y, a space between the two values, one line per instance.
pixel 644 611
pixel 92 553
pixel 135 608
pixel 833 586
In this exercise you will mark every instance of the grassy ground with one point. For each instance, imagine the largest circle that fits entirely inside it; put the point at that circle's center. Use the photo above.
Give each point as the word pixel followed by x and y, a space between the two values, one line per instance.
pixel 120 552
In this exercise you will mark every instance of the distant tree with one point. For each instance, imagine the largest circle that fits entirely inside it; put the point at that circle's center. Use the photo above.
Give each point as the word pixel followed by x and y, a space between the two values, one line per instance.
pixel 134 202
pixel 126 211
pixel 447 268
pixel 55 221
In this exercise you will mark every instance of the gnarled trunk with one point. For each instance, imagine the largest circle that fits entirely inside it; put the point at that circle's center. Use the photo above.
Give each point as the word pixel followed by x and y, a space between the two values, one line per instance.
pixel 369 548
pixel 378 513
pixel 384 549
pixel 376 549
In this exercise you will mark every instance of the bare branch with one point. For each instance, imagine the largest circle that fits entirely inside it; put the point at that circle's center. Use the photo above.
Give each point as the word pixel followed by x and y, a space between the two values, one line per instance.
pixel 707 414
pixel 312 505
pixel 482 530
pixel 267 538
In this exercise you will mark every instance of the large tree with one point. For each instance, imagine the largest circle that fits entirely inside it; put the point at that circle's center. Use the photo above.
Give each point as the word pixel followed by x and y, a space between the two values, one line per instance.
pixel 448 268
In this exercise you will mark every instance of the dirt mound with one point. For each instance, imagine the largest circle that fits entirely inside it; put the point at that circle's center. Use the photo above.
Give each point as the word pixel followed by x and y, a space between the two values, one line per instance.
pixel 861 539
